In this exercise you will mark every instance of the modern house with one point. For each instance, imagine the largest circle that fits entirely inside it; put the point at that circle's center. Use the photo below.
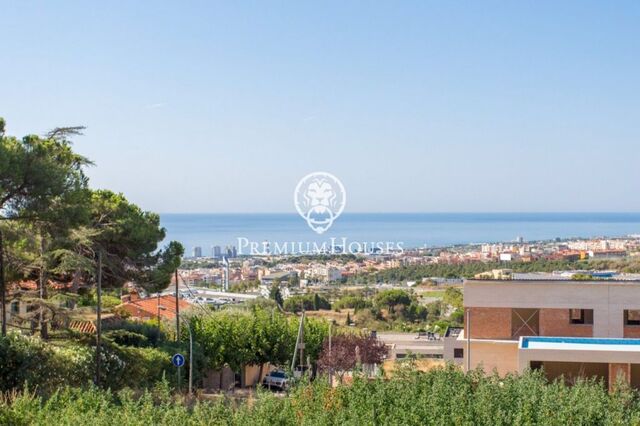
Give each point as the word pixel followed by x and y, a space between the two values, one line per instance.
pixel 567 327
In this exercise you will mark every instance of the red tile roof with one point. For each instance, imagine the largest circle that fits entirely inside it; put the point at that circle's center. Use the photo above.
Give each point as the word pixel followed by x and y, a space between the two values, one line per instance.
pixel 151 307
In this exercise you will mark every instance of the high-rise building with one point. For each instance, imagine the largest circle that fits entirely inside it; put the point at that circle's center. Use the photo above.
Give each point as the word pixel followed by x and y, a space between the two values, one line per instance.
pixel 197 251
pixel 216 252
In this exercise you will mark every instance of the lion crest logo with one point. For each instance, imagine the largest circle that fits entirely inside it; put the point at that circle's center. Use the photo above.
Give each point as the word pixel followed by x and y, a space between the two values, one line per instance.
pixel 320 198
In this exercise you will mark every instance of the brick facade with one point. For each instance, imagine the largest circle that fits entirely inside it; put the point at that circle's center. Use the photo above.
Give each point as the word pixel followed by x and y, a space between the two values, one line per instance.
pixel 619 371
pixel 632 331
pixel 556 322
pixel 490 323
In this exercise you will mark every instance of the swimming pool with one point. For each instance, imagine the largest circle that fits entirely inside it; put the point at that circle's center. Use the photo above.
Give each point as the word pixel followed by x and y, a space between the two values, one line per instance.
pixel 580 343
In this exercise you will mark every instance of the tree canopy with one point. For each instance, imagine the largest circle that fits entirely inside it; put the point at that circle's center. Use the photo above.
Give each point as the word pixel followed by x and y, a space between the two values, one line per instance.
pixel 53 223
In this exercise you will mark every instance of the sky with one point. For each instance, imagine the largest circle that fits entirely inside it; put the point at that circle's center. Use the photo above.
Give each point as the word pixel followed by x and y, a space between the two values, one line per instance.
pixel 416 106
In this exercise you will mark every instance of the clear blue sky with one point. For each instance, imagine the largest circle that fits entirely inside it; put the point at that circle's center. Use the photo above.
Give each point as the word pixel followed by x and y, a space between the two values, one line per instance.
pixel 416 106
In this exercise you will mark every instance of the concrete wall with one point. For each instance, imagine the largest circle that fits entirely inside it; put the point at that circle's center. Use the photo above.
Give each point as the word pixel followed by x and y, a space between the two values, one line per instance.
pixel 250 375
pixel 608 299
pixel 216 380
pixel 492 355
pixel 451 343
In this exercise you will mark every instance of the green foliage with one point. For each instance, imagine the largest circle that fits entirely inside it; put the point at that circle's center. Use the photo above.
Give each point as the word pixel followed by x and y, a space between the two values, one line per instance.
pixel 129 238
pixel 453 296
pixel 311 302
pixel 391 298
pixel 400 305
pixel 352 302
pixel 439 397
pixel 468 270
pixel 28 360
pixel 36 172
pixel 457 317
pixel 127 338
pixel 237 338
pixel 244 286
pixel 581 277
pixel 275 294
pixel 90 299
pixel 153 335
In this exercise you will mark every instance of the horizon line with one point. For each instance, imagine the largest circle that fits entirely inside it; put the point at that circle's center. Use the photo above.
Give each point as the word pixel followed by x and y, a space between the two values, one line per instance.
pixel 411 212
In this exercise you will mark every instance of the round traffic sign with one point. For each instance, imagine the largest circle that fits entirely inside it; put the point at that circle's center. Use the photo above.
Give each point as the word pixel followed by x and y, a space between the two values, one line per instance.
pixel 178 360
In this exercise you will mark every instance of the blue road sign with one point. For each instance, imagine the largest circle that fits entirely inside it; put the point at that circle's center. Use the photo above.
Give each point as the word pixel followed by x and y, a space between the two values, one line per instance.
pixel 178 360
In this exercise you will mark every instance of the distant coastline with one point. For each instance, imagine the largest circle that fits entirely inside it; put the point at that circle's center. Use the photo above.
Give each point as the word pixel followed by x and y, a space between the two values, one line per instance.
pixel 413 229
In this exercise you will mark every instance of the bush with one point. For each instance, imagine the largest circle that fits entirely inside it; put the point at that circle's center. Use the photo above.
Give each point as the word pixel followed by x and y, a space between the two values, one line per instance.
pixel 352 302
pixel 440 397
pixel 149 330
pixel 27 360
pixel 127 338
pixel 47 367
pixel 390 298
pixel 89 298
pixel 109 302
pixel 236 337
pixel 311 302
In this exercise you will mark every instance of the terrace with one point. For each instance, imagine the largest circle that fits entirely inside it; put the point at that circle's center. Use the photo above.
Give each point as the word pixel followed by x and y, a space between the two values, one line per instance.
pixel 573 357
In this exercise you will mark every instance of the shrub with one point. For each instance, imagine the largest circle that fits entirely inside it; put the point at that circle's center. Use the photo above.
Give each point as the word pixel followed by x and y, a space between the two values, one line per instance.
pixel 47 367
pixel 311 302
pixel 127 338
pixel 390 298
pixel 439 397
pixel 149 330
pixel 352 302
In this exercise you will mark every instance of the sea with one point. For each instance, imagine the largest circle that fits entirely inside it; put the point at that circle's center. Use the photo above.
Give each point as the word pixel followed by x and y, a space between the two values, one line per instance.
pixel 413 230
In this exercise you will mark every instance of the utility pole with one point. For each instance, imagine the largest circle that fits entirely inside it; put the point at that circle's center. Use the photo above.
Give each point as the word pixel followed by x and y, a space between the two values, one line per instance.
pixel 42 290
pixel 302 343
pixel 190 359
pixel 3 289
pixel 330 354
pixel 468 333
pixel 177 308
pixel 299 343
pixel 98 318
pixel 177 320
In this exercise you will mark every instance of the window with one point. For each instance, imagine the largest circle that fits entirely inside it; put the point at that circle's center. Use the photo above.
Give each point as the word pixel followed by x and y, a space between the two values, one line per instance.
pixel 581 316
pixel 458 353
pixel 632 317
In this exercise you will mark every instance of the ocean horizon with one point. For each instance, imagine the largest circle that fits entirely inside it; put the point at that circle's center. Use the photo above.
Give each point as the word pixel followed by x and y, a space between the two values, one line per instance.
pixel 412 229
